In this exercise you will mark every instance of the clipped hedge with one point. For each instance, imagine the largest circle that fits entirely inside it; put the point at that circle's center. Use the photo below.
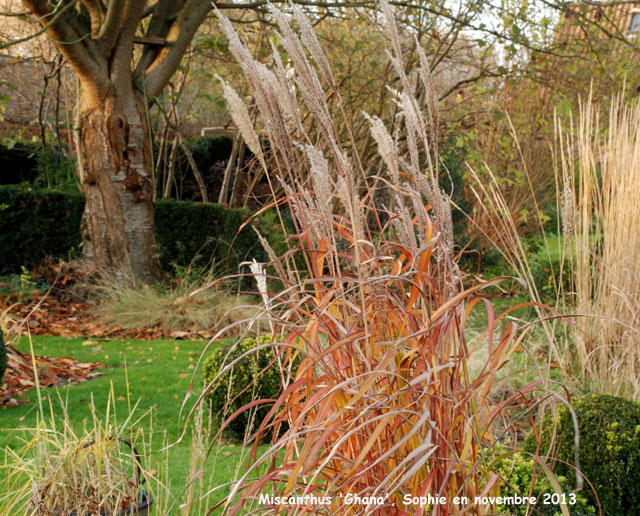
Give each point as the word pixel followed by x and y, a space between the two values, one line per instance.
pixel 609 450
pixel 35 224
pixel 193 233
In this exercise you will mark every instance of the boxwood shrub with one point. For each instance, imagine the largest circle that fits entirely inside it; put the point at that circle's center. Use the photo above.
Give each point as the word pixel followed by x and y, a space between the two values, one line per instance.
pixel 609 450
pixel 243 383
pixel 516 471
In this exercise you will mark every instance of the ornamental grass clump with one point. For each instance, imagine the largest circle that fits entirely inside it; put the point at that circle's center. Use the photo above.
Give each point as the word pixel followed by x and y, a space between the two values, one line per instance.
pixel 595 277
pixel 599 174
pixel 183 305
pixel 63 470
pixel 382 404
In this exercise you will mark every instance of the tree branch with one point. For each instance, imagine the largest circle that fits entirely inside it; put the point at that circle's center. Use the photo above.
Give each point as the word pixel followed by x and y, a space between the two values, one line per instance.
pixel 58 25
pixel 123 54
pixel 111 27
pixel 180 34
pixel 158 27
pixel 95 14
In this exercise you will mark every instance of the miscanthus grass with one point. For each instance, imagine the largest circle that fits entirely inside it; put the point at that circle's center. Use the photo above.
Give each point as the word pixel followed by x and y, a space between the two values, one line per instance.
pixel 381 402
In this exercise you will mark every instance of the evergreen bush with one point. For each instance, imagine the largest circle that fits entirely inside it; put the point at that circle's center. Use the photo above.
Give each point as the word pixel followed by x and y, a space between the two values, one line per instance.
pixel 516 472
pixel 609 450
pixel 35 224
pixel 242 384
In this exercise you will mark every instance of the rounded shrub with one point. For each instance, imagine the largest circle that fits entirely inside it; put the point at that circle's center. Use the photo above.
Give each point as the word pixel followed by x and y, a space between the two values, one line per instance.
pixel 517 472
pixel 609 450
pixel 3 357
pixel 256 376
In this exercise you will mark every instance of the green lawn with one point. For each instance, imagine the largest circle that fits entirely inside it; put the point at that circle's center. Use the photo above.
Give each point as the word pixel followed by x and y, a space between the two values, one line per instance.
pixel 158 375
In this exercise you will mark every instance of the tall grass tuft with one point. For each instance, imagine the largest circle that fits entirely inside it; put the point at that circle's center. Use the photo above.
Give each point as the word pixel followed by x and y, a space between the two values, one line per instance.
pixel 599 172
pixel 182 305
pixel 383 403
pixel 61 469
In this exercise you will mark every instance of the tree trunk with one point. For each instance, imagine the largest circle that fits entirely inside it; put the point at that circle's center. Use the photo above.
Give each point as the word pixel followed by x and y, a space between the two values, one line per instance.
pixel 118 225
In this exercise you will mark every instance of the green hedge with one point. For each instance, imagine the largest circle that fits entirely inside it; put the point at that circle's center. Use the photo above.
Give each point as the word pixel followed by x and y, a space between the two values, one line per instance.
pixel 189 233
pixel 36 224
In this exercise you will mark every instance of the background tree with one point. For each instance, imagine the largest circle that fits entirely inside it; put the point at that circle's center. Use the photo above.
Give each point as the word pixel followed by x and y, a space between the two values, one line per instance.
pixel 124 53
pixel 113 136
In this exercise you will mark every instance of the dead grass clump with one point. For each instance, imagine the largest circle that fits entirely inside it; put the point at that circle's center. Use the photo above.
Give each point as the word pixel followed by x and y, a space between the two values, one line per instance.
pixel 599 172
pixel 183 305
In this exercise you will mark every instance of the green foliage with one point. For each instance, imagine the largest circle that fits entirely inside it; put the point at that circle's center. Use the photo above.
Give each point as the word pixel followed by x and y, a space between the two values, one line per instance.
pixel 3 357
pixel 55 170
pixel 17 162
pixel 243 383
pixel 195 234
pixel 29 163
pixel 551 272
pixel 453 182
pixel 609 450
pixel 186 229
pixel 516 471
pixel 35 224
pixel 22 287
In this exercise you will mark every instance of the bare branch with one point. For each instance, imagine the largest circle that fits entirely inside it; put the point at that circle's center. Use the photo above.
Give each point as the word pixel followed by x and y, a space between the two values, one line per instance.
pixel 55 15
pixel 158 27
pixel 59 26
pixel 111 27
pixel 123 54
pixel 95 14
pixel 180 34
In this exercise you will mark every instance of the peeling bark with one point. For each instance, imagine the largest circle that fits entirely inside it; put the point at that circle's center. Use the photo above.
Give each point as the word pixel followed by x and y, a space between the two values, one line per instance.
pixel 112 138
pixel 118 223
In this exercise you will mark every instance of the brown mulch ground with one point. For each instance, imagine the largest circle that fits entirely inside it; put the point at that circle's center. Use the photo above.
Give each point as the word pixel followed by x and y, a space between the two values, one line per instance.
pixel 51 316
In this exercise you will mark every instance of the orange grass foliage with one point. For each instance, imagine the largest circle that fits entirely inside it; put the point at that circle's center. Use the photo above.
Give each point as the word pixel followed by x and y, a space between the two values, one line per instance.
pixel 383 403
